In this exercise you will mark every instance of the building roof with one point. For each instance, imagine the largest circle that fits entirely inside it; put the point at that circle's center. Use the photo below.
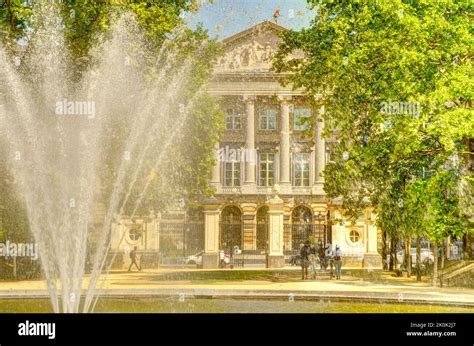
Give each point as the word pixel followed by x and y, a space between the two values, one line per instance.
pixel 266 25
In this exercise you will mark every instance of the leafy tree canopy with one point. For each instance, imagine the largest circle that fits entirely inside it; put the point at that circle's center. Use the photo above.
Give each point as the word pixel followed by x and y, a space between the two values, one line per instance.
pixel 397 81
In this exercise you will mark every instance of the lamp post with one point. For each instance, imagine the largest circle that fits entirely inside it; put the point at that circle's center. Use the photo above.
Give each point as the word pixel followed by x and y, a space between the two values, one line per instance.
pixel 320 219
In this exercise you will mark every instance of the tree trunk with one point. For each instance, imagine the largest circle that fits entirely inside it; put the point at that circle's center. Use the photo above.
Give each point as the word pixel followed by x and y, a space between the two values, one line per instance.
pixel 409 257
pixel 384 250
pixel 405 254
pixel 390 265
pixel 443 253
pixel 393 254
pixel 418 259
pixel 11 14
pixel 434 279
pixel 469 247
pixel 448 248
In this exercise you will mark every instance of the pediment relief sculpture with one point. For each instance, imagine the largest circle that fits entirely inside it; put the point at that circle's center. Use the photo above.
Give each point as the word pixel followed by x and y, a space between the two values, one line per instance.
pixel 249 56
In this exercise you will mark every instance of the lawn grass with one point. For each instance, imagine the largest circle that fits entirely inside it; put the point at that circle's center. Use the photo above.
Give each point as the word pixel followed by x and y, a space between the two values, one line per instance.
pixel 173 305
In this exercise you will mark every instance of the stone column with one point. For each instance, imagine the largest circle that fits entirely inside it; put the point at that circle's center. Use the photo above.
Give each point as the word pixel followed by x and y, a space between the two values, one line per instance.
pixel 152 228
pixel 216 170
pixel 276 258
pixel 250 140
pixel 372 259
pixel 210 258
pixel 121 248
pixel 285 181
pixel 320 153
pixel 249 241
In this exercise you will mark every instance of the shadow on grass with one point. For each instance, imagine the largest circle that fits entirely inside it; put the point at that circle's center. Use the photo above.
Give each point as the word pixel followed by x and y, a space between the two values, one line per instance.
pixel 230 276
pixel 222 275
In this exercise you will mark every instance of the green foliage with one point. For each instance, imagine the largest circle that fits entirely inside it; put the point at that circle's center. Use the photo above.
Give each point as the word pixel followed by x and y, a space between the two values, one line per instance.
pixel 191 157
pixel 363 55
pixel 85 20
pixel 13 18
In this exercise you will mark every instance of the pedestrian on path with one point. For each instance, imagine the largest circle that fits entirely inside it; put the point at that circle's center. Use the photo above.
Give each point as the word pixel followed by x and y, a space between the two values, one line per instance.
pixel 338 262
pixel 222 259
pixel 330 259
pixel 134 260
pixel 304 254
pixel 322 256
pixel 313 260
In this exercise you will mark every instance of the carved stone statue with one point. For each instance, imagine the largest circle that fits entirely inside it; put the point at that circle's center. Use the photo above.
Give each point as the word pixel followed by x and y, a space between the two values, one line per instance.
pixel 249 55
pixel 268 53
pixel 236 58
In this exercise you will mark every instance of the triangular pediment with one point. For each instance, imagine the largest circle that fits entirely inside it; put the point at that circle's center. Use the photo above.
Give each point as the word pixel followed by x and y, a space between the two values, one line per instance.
pixel 251 50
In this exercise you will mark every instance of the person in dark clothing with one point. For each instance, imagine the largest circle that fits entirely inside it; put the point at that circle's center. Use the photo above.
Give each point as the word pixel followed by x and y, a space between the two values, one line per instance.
pixel 134 259
pixel 322 257
pixel 312 261
pixel 304 253
pixel 338 262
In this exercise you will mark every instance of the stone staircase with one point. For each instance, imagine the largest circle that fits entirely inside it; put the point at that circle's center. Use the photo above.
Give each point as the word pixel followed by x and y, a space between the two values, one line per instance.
pixel 458 273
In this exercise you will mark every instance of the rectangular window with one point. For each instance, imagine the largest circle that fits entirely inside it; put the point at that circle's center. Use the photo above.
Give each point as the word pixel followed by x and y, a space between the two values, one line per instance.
pixel 266 169
pixel 232 173
pixel 233 119
pixel 301 164
pixel 299 115
pixel 267 119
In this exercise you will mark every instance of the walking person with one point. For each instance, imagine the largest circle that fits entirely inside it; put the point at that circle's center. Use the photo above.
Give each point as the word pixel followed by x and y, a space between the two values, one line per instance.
pixel 322 257
pixel 222 259
pixel 312 260
pixel 304 254
pixel 134 260
pixel 329 260
pixel 338 262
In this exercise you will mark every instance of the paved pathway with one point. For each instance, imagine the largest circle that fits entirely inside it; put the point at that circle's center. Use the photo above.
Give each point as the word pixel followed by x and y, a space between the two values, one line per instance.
pixel 280 285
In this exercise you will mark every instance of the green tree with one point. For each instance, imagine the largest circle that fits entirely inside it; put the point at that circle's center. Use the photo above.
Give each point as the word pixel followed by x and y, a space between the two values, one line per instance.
pixel 186 164
pixel 89 22
pixel 397 80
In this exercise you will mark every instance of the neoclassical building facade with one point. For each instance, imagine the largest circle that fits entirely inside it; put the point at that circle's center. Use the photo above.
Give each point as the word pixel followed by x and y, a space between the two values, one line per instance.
pixel 268 182
pixel 268 178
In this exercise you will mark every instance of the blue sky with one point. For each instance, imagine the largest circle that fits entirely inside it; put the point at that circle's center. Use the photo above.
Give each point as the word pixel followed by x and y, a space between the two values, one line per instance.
pixel 227 17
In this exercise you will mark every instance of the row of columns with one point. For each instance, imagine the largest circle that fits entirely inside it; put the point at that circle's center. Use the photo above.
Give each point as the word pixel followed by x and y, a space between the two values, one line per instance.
pixel 275 233
pixel 250 137
pixel 276 205
pixel 285 152
pixel 365 225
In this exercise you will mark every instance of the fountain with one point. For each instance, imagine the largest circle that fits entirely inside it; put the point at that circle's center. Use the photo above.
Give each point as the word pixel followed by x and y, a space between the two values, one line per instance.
pixel 76 143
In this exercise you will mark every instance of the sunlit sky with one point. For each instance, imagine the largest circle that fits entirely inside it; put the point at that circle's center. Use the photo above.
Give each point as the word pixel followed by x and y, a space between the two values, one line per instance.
pixel 227 17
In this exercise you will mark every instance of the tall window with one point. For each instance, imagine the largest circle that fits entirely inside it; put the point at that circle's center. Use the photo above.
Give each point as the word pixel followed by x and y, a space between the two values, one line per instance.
pixel 267 119
pixel 266 169
pixel 232 173
pixel 301 170
pixel 233 119
pixel 299 118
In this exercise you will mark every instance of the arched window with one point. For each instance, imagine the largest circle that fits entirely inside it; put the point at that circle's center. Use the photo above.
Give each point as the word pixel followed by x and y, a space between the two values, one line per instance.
pixel 195 231
pixel 230 228
pixel 301 226
pixel 302 214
